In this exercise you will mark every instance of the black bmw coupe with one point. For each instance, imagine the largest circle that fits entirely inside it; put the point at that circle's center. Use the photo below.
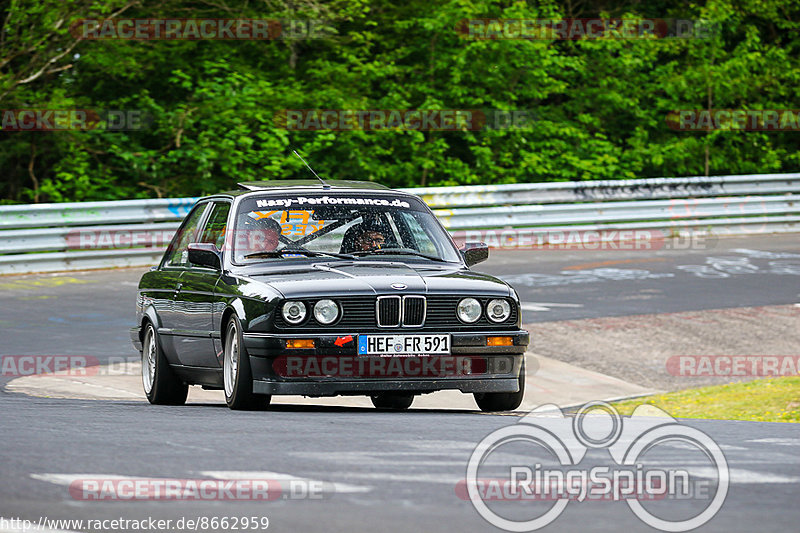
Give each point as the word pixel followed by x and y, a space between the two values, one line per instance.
pixel 324 289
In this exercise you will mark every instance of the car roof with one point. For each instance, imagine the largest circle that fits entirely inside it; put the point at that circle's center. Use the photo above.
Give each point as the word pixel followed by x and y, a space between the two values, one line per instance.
pixel 249 187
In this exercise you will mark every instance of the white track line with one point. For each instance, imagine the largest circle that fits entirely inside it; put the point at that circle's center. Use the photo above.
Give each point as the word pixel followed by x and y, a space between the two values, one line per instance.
pixel 66 479
pixel 740 476
pixel 327 486
pixel 545 306
pixel 780 441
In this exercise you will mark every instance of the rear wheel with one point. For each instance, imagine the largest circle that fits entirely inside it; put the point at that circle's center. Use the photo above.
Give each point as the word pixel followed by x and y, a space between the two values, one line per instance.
pixel 236 373
pixel 161 386
pixel 392 400
pixel 502 401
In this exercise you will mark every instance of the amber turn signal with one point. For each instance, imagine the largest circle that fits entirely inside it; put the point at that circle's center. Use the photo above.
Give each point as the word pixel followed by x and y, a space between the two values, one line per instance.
pixel 300 343
pixel 499 341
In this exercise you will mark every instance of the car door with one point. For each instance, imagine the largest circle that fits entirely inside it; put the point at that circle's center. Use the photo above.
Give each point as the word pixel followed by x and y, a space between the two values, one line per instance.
pixel 172 267
pixel 195 297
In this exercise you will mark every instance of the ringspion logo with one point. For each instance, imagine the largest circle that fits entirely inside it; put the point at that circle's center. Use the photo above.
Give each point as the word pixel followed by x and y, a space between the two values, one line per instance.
pixel 541 462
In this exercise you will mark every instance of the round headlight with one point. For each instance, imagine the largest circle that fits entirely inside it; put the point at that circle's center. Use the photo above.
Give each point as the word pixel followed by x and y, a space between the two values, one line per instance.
pixel 498 310
pixel 294 312
pixel 326 311
pixel 469 310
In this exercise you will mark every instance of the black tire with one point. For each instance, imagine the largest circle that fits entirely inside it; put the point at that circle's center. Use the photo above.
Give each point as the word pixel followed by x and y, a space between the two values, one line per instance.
pixel 236 374
pixel 502 401
pixel 392 400
pixel 160 384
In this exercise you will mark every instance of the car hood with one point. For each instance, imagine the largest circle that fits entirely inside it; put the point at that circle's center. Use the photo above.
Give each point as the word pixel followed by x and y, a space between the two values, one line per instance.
pixel 354 279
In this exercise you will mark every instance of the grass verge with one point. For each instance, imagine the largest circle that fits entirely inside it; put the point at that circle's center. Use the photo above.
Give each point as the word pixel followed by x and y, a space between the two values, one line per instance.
pixel 762 400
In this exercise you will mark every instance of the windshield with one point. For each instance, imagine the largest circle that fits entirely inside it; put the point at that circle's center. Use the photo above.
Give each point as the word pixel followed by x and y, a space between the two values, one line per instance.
pixel 345 225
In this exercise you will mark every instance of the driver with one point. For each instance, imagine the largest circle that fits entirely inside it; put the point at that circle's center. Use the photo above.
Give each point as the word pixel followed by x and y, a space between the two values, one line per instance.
pixel 370 239
pixel 366 236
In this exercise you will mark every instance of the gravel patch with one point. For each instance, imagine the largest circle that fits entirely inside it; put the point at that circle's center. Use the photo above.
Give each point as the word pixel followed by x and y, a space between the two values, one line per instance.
pixel 652 350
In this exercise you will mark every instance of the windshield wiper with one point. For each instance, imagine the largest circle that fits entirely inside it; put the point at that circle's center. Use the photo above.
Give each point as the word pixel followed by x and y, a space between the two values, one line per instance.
pixel 400 251
pixel 298 251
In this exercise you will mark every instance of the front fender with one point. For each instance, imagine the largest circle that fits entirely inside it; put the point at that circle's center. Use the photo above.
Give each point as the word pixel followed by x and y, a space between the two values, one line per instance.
pixel 254 316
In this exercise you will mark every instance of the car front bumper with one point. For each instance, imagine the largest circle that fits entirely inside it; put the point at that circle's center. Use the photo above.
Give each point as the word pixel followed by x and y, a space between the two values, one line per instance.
pixel 136 339
pixel 337 387
pixel 333 367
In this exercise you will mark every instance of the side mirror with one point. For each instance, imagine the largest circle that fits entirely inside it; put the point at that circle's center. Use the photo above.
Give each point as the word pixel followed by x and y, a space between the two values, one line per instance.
pixel 205 254
pixel 475 252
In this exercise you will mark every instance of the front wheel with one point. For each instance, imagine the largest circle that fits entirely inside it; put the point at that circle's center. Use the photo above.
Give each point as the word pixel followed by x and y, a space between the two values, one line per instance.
pixel 393 401
pixel 236 373
pixel 502 401
pixel 161 386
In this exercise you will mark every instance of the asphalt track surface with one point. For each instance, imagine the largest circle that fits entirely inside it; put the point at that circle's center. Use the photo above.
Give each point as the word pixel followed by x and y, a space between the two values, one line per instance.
pixel 372 470
pixel 711 274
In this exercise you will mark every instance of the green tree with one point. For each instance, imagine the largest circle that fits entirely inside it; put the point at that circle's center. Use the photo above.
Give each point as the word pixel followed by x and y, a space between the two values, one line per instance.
pixel 600 105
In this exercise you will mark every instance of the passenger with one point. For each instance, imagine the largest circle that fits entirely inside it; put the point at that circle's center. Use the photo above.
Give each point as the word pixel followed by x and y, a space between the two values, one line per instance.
pixel 260 234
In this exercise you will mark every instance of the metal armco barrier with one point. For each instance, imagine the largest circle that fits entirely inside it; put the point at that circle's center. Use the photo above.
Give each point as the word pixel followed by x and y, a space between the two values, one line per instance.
pixel 94 213
pixel 603 191
pixel 48 237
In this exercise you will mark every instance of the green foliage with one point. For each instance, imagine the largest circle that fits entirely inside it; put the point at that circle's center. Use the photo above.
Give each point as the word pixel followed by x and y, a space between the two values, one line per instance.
pixel 600 105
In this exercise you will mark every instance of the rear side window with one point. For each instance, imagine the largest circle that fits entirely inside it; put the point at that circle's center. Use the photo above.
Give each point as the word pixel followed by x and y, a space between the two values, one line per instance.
pixel 178 252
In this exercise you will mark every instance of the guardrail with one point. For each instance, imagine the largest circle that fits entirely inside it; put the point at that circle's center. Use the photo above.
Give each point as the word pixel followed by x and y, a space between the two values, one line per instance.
pixel 603 191
pixel 47 237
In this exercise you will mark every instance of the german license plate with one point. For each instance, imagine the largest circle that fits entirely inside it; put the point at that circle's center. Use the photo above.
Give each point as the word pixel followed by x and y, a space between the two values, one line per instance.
pixel 403 344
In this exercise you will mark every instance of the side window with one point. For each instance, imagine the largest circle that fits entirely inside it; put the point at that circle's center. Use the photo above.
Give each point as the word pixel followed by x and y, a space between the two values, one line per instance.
pixel 214 232
pixel 423 241
pixel 178 251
